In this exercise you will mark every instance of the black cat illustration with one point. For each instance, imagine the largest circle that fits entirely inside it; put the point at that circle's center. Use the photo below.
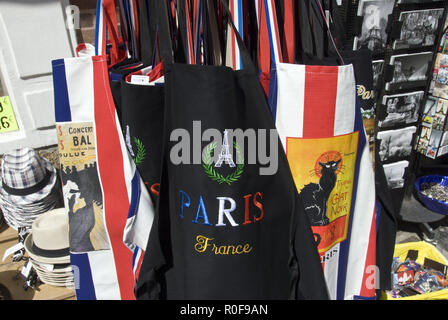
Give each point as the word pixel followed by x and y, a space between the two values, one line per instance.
pixel 315 196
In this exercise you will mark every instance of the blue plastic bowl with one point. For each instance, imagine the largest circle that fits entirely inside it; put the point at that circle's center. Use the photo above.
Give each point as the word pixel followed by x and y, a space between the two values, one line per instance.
pixel 437 206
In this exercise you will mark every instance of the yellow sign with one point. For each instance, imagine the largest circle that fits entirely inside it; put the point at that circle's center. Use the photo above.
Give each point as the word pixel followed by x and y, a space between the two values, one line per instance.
pixel 8 120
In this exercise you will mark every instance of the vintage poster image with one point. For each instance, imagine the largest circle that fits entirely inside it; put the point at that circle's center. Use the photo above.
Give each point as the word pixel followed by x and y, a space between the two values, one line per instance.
pixel 324 178
pixel 401 109
pixel 395 174
pixel 419 28
pixel 410 70
pixel 81 187
pixel 396 143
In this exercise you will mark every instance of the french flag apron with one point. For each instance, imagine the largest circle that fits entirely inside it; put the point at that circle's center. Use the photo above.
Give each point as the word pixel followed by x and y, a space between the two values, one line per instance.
pixel 320 126
pixel 109 208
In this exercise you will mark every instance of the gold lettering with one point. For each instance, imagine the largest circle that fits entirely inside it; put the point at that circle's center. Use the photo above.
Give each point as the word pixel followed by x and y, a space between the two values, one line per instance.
pixel 202 243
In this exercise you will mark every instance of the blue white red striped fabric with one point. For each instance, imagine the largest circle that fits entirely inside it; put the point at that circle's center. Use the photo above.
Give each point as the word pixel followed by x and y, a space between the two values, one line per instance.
pixel 233 57
pixel 82 95
pixel 319 123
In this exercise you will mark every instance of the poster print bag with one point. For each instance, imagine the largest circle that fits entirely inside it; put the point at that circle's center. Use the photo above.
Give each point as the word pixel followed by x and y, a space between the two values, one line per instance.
pixel 103 193
pixel 222 230
pixel 320 125
pixel 104 196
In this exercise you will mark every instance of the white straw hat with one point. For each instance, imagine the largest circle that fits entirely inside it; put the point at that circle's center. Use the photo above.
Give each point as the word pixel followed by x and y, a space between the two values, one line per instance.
pixel 48 241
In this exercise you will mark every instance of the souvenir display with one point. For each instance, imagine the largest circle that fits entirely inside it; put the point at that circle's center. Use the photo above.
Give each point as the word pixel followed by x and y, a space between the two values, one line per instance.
pixel 236 150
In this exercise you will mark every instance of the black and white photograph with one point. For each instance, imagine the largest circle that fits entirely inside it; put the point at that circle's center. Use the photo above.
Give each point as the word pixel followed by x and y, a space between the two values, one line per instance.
pixel 401 109
pixel 395 173
pixel 378 67
pixel 418 29
pixel 395 143
pixel 373 31
pixel 429 110
pixel 410 70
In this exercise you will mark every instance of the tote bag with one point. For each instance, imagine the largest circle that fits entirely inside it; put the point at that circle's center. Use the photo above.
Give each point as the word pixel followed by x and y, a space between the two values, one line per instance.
pixel 105 198
pixel 142 99
pixel 222 229
pixel 321 129
pixel 318 118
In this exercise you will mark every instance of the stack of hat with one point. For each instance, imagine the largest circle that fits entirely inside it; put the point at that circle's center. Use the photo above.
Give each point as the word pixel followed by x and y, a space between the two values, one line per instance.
pixel 48 248
pixel 29 187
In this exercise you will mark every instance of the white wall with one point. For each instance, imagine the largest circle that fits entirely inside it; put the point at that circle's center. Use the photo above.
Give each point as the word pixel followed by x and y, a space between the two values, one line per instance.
pixel 32 34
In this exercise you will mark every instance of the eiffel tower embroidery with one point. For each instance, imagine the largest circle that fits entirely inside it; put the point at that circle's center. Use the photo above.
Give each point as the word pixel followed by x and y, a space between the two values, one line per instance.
pixel 225 155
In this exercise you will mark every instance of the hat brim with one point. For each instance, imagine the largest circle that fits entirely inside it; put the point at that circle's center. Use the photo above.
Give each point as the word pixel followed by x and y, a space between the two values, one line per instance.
pixel 34 197
pixel 28 243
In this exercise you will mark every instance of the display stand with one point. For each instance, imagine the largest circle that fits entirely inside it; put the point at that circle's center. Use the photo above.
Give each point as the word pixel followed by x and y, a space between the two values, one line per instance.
pixel 11 279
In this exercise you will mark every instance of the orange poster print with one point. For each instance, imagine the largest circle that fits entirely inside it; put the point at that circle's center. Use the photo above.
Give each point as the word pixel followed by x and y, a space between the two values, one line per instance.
pixel 323 171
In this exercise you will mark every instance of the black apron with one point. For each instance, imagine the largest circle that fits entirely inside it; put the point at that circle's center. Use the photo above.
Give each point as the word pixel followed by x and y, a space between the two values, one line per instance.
pixel 225 232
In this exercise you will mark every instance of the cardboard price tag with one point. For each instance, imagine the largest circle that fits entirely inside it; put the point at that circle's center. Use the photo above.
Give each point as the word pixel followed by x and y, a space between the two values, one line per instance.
pixel 8 120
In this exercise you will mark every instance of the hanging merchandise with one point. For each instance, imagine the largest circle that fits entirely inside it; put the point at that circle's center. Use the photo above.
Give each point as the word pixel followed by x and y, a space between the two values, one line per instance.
pixel 223 225
pixel 320 126
pixel 142 96
pixel 229 149
pixel 104 196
